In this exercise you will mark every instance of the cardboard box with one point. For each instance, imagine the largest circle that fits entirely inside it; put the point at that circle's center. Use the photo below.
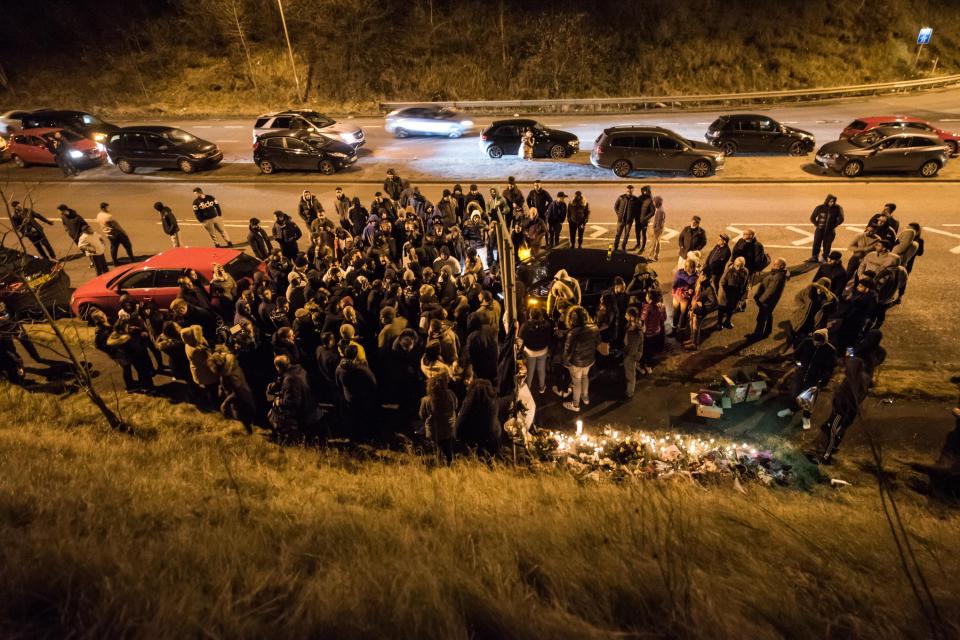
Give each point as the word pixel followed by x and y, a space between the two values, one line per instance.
pixel 756 390
pixel 709 412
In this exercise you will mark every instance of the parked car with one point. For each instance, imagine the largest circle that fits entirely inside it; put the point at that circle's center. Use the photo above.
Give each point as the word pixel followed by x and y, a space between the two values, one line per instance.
pixel 751 133
pixel 593 268
pixel 32 146
pixel 47 277
pixel 888 150
pixel 862 125
pixel 302 151
pixel 503 138
pixel 158 146
pixel 87 125
pixel 155 279
pixel 311 121
pixel 427 121
pixel 632 148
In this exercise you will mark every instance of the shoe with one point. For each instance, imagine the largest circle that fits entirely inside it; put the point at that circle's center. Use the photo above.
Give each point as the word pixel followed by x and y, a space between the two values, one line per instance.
pixel 542 390
pixel 806 423
pixel 585 402
pixel 229 244
pixel 785 413
pixel 569 406
pixel 562 394
pixel 812 259
pixel 728 325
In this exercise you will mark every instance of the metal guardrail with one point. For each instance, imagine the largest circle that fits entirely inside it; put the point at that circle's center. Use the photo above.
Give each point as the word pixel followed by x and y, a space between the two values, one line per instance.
pixel 662 102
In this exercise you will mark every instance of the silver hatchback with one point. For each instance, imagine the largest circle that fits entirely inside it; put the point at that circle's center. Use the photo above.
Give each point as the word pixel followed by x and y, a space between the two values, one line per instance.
pixel 311 121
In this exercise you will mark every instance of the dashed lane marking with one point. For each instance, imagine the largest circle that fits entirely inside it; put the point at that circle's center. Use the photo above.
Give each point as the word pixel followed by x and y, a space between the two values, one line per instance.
pixel 807 236
pixel 955 250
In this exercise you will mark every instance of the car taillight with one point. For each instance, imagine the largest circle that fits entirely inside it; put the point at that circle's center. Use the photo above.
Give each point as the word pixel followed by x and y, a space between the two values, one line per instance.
pixel 600 150
pixel 256 145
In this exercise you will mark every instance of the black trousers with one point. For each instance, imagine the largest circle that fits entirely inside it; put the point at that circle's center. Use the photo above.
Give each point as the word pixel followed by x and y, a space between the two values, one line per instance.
pixel 120 241
pixel 823 238
pixel 623 229
pixel 576 234
pixel 100 263
pixel 641 230
pixel 42 245
pixel 764 321
pixel 553 235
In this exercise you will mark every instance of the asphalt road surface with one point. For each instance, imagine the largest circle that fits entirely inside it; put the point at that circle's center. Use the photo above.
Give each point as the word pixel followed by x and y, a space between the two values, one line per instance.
pixel 439 159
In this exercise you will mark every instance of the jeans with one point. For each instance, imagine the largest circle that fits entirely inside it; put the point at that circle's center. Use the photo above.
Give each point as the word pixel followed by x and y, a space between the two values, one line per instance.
pixel 623 229
pixel 553 235
pixel 576 234
pixel 655 244
pixel 536 366
pixel 115 243
pixel 99 263
pixel 214 227
pixel 823 238
pixel 641 230
pixel 580 381
pixel 630 375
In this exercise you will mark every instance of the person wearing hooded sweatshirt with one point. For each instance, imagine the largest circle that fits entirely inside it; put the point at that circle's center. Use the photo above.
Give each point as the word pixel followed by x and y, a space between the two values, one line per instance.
pixel 564 291
pixel 198 354
pixel 816 359
pixel 258 240
pixel 286 233
pixel 659 222
pixel 825 219
pixel 578 214
pixel 73 224
pixel 647 211
pixel 309 207
pixel 168 222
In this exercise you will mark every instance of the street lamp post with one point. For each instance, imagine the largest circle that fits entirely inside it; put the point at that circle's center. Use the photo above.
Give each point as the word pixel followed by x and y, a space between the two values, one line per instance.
pixel 293 64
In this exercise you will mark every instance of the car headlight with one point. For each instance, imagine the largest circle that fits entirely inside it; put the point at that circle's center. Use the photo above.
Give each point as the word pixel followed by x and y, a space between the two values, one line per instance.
pixel 574 143
pixel 76 154
pixel 347 137
pixel 337 154
pixel 99 137
pixel 466 123
pixel 829 156
pixel 198 155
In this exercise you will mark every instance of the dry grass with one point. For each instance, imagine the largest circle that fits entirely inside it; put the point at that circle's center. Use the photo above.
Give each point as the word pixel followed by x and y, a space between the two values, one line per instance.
pixel 933 382
pixel 191 528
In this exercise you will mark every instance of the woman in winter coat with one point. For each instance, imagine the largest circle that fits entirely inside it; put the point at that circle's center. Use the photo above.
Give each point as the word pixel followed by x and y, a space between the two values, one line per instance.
pixel 438 410
pixel 734 284
pixel 578 214
pixel 653 315
pixel 659 222
pixel 536 335
pixel 704 303
pixel 684 284
pixel 477 425
pixel 526 145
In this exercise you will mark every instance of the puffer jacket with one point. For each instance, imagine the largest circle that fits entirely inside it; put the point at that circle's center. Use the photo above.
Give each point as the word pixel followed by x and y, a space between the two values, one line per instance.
pixel 198 352
pixel 580 347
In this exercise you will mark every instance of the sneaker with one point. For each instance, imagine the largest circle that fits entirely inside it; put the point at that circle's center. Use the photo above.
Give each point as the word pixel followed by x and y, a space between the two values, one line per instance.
pixel 562 394
pixel 585 401
pixel 806 423
pixel 569 406
pixel 784 413
pixel 229 244
pixel 542 390
pixel 728 325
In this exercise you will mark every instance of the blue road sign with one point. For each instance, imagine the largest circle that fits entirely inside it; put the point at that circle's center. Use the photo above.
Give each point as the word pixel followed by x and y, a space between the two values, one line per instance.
pixel 924 36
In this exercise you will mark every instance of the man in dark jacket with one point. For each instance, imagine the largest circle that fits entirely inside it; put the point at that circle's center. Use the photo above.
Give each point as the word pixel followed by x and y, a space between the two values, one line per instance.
pixel 751 250
pixel 767 296
pixel 857 313
pixel 825 220
pixel 834 271
pixel 579 354
pixel 627 208
pixel 309 207
pixel 556 215
pixel 816 360
pixel 286 233
pixel 393 185
pixel 538 199
pixel 358 390
pixel 483 349
pixel 168 222
pixel 844 410
pixel 27 222
pixel 382 207
pixel 885 219
pixel 73 224
pixel 207 210
pixel 717 260
pixel 294 410
pixel 692 238
pixel 258 240
pixel 647 209
pixel 512 192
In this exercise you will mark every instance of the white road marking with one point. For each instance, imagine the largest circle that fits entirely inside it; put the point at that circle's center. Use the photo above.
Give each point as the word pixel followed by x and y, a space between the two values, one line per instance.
pixel 955 250
pixel 597 232
pixel 226 224
pixel 202 126
pixel 734 230
pixel 807 236
pixel 668 234
pixel 233 126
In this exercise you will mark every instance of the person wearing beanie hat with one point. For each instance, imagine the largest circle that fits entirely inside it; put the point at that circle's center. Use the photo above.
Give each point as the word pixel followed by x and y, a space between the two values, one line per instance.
pixel 114 233
pixel 208 213
pixel 825 219
pixel 169 222
pixel 393 185
pixel 834 271
pixel 816 359
pixel 717 259
pixel 512 193
pixel 474 195
pixel 286 232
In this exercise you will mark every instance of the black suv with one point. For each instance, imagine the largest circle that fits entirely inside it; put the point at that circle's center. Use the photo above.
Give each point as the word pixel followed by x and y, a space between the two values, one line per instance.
pixel 156 146
pixel 87 125
pixel 753 133
pixel 303 151
pixel 639 148
pixel 503 138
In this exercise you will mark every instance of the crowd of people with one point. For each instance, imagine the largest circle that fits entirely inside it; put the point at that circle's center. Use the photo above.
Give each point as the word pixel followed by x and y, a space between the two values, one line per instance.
pixel 388 319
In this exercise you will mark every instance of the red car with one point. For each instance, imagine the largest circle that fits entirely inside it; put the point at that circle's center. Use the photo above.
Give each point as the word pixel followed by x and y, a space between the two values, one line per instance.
pixel 155 279
pixel 861 125
pixel 32 146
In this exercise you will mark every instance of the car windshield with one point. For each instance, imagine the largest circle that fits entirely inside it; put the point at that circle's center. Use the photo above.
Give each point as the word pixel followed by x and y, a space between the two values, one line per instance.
pixel 179 136
pixel 91 121
pixel 318 141
pixel 447 112
pixel 319 120
pixel 243 266
pixel 865 139
pixel 539 127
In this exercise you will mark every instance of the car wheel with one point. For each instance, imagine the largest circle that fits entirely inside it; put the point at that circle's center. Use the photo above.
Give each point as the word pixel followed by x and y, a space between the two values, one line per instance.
pixel 622 168
pixel 700 169
pixel 929 168
pixel 558 152
pixel 797 148
pixel 853 168
pixel 125 166
pixel 186 166
pixel 953 147
pixel 729 147
pixel 401 133
pixel 327 168
pixel 20 162
pixel 495 152
pixel 266 167
pixel 456 132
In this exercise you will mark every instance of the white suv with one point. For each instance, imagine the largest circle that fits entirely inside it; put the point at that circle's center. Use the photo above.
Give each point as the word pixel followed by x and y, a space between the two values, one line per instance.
pixel 309 121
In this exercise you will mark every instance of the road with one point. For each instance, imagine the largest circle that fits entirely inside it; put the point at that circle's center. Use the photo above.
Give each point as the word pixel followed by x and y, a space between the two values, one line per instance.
pixel 440 159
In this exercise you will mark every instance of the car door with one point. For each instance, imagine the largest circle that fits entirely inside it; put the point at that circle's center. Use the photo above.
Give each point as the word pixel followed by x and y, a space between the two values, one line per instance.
pixel 280 122
pixel 165 286
pixel 887 155
pixel 749 135
pixel 135 149
pixel 671 154
pixel 644 153
pixel 299 155
pixel 917 151
pixel 159 152
pixel 507 138
pixel 276 152
pixel 769 137
pixel 35 151
pixel 138 285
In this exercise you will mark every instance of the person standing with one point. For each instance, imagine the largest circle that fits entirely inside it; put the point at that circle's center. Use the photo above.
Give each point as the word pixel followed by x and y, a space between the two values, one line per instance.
pixel 659 222
pixel 27 223
pixel 627 208
pixel 632 350
pixel 309 207
pixel 169 222
pixel 642 222
pixel 286 233
pixel 834 271
pixel 767 296
pixel 513 194
pixel 208 213
pixel 62 154
pixel 733 287
pixel 578 214
pixel 717 259
pixel 393 185
pixel 816 359
pixel 579 355
pixel 556 216
pixel 438 410
pixel 691 238
pixel 91 245
pixel 539 198
pixel 73 224
pixel 536 334
pixel 825 220
pixel 751 250
pixel 526 145
pixel 114 233
pixel 259 240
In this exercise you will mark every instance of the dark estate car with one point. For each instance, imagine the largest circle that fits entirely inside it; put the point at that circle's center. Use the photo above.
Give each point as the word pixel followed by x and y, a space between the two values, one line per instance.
pixel 302 151
pixel 87 125
pixel 630 148
pixel 47 277
pixel 158 146
pixel 751 133
pixel 594 269
pixel 886 150
pixel 503 138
